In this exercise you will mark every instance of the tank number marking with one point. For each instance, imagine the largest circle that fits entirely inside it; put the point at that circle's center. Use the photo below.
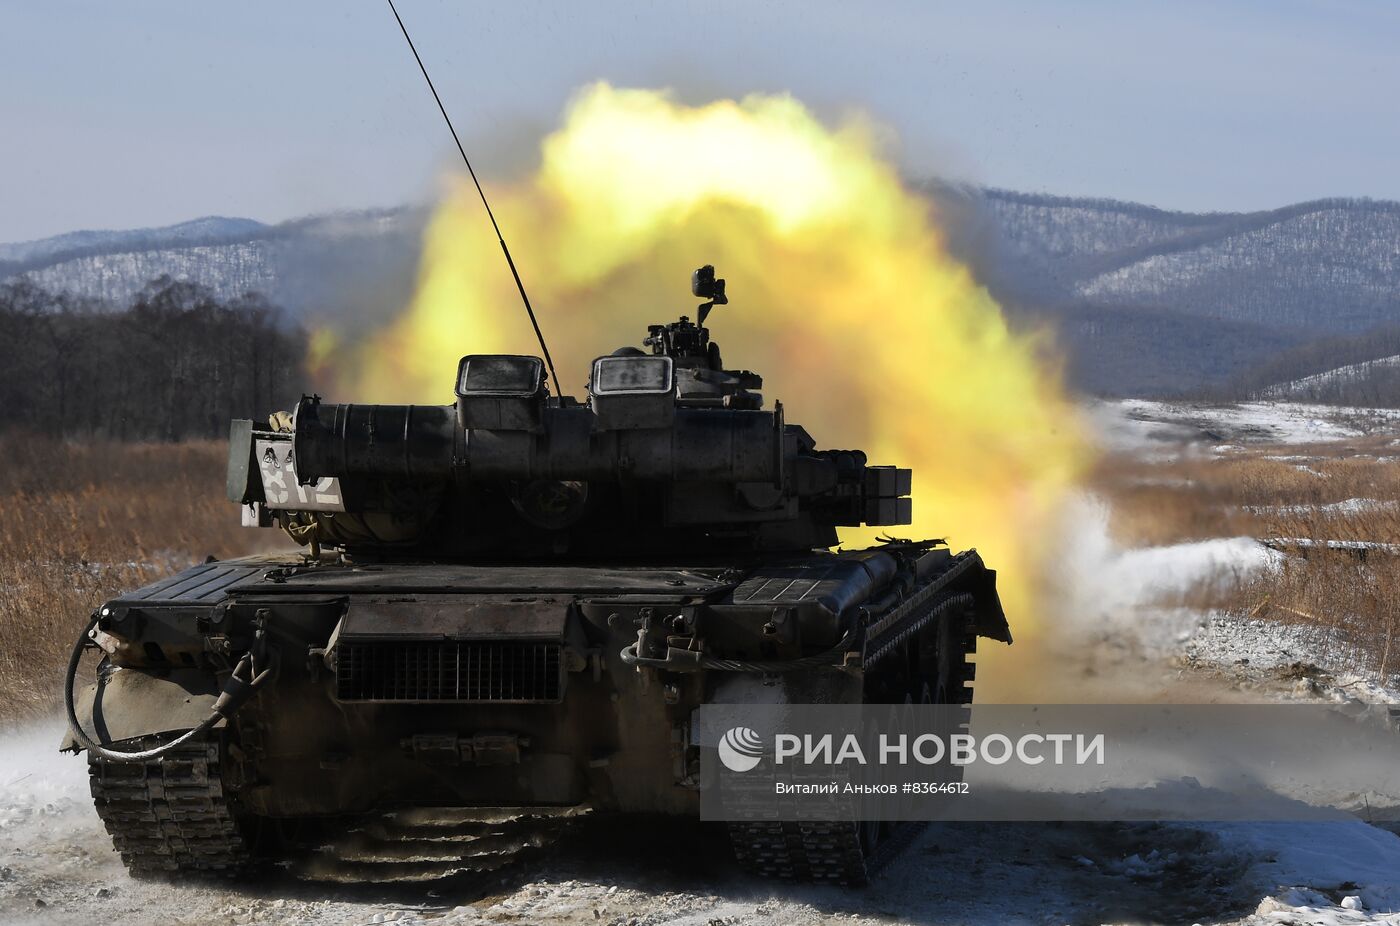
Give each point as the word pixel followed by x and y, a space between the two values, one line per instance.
pixel 280 485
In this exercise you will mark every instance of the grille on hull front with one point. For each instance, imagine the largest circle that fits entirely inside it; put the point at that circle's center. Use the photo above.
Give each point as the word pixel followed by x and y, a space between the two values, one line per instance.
pixel 498 671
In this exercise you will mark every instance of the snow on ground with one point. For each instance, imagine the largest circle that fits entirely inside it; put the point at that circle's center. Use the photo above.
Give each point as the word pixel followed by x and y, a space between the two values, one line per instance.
pixel 1348 506
pixel 57 867
pixel 1312 874
pixel 1131 425
pixel 1317 873
pixel 1290 544
pixel 1326 874
pixel 1134 592
pixel 1302 661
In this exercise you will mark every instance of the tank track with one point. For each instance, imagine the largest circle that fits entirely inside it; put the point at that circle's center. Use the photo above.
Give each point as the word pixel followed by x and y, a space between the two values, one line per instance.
pixel 417 844
pixel 817 852
pixel 171 814
pixel 832 852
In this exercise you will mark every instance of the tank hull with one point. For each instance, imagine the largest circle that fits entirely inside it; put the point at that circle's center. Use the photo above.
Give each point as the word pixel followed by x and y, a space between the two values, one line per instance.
pixel 486 686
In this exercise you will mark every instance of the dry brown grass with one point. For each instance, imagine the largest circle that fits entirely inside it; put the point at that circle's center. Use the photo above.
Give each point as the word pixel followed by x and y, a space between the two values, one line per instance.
pixel 1348 491
pixel 1353 601
pixel 1253 491
pixel 83 521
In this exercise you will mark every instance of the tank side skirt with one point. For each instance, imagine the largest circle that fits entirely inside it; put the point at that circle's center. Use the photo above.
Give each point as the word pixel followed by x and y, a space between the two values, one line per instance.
pixel 832 852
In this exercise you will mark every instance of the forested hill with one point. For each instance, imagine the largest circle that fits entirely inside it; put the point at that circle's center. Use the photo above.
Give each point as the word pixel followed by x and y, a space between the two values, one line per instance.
pixel 1147 301
pixel 175 362
pixel 1157 302
pixel 1330 266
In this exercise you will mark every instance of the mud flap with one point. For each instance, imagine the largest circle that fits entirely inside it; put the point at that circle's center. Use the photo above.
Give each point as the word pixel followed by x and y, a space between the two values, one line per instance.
pixel 991 619
pixel 127 703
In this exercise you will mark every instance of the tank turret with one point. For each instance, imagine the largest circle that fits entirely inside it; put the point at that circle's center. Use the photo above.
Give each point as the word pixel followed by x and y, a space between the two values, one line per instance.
pixel 669 452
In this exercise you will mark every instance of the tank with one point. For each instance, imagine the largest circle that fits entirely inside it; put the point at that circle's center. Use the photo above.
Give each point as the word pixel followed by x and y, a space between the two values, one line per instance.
pixel 508 610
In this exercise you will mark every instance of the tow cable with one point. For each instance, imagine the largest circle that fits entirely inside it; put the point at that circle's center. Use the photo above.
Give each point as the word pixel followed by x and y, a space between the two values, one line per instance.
pixel 242 684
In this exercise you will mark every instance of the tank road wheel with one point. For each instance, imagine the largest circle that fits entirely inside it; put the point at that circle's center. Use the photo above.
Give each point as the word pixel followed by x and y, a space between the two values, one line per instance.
pixel 173 814
pixel 932 666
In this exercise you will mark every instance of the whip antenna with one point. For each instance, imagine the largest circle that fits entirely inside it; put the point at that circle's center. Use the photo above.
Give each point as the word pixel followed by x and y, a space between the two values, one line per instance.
pixel 549 361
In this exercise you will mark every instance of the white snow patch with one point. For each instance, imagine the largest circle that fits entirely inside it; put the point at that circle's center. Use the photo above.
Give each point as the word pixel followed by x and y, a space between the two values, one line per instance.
pixel 1345 507
pixel 1138 425
pixel 1307 543
pixel 1116 429
pixel 1233 641
pixel 1324 874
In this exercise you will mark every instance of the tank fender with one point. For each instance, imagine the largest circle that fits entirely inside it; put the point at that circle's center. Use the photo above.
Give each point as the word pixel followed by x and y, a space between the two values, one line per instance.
pixel 127 703
pixel 976 579
pixel 991 619
pixel 817 594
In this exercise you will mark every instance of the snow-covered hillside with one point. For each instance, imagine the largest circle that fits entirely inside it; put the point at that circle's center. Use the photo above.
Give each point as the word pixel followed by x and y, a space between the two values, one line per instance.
pixel 195 231
pixel 304 264
pixel 227 269
pixel 1377 376
pixel 1329 265
pixel 1146 301
pixel 1151 302
pixel 1334 267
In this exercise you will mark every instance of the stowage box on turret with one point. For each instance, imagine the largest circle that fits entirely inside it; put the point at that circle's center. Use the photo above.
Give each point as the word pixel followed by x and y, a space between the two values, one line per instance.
pixel 509 609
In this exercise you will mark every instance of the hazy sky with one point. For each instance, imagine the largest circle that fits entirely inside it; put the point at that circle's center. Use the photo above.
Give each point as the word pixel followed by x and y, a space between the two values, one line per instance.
pixel 147 112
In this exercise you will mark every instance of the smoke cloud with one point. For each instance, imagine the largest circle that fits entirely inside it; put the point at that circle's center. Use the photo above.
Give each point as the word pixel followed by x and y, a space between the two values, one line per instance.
pixel 843 295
